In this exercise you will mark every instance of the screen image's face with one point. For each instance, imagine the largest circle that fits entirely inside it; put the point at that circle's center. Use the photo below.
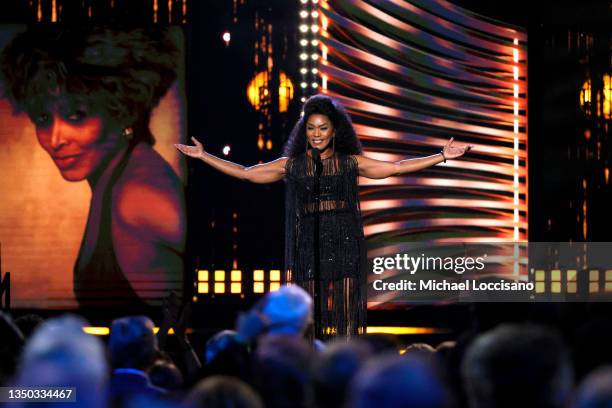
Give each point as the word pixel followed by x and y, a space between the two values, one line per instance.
pixel 50 147
pixel 77 140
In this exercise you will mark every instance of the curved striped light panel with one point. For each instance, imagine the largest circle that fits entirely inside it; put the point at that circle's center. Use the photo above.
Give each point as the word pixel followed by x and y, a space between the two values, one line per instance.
pixel 413 74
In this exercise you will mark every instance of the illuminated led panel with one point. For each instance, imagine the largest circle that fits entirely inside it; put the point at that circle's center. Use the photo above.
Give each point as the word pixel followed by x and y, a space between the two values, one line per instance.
pixel 203 275
pixel 413 74
pixel 275 275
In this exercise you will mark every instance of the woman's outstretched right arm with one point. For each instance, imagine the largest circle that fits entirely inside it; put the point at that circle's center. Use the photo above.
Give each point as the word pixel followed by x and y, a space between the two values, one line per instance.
pixel 260 173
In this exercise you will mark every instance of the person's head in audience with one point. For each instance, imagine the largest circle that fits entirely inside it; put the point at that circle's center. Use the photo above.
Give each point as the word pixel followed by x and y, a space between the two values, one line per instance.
pixel 61 354
pixel 226 356
pixel 591 341
pixel 423 348
pixel 132 343
pixel 517 366
pixel 595 391
pixel 282 370
pixel 223 392
pixel 287 311
pixel 218 343
pixel 394 381
pixel 10 347
pixel 446 346
pixel 27 323
pixel 447 356
pixel 334 369
pixel 164 374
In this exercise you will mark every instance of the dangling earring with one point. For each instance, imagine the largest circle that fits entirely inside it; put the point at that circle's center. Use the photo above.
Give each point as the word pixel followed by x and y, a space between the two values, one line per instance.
pixel 128 133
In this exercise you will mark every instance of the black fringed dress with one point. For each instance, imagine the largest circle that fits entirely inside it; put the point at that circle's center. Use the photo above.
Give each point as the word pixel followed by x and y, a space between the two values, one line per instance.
pixel 342 249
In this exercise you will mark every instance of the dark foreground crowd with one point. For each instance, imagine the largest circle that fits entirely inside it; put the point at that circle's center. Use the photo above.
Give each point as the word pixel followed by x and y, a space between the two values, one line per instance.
pixel 271 361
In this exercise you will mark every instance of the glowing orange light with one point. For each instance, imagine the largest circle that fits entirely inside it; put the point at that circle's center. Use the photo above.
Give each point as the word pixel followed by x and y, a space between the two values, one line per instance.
pixel 607 96
pixel 285 92
pixel 258 90
pixel 585 97
pixel 403 330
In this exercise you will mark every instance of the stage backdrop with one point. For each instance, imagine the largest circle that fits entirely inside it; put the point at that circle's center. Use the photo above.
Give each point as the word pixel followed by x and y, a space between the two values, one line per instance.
pixel 42 216
pixel 413 74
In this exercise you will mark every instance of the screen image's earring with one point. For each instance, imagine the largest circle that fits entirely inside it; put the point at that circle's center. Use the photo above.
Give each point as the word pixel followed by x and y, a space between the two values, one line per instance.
pixel 128 133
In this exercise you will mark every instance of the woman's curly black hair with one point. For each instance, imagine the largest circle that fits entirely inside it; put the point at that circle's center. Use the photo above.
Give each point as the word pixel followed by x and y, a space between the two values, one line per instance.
pixel 346 140
pixel 122 74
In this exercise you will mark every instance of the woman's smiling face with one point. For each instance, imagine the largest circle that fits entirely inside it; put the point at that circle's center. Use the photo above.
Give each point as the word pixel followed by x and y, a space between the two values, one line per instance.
pixel 77 140
pixel 319 131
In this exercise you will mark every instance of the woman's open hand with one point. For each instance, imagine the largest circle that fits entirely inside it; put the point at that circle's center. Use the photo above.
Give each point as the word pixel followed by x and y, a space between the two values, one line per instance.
pixel 191 151
pixel 452 151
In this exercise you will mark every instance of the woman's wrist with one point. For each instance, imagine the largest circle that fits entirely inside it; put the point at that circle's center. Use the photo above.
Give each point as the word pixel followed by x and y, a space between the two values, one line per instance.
pixel 443 156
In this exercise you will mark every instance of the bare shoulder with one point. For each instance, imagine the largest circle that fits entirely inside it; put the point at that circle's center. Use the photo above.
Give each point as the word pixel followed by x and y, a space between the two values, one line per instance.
pixel 282 162
pixel 360 159
pixel 147 165
pixel 149 199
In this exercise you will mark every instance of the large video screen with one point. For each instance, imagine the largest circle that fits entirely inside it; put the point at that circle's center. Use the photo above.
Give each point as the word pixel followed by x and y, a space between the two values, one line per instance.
pixel 92 208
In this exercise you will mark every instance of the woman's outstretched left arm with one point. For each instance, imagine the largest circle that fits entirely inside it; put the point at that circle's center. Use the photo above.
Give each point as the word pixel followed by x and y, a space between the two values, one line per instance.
pixel 378 169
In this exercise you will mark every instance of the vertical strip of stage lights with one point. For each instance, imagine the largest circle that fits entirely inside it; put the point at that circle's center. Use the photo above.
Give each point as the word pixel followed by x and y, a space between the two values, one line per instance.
pixel 515 94
pixel 515 78
pixel 324 49
pixel 309 43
